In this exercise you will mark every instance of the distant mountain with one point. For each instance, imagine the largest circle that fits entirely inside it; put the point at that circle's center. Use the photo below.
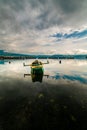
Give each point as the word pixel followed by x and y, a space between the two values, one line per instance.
pixel 4 54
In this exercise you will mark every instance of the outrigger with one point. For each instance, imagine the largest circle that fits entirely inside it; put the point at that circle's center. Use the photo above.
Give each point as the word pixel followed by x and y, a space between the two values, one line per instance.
pixel 37 70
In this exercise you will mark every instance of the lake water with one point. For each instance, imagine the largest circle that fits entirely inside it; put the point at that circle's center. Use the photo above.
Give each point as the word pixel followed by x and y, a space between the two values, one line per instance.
pixel 57 100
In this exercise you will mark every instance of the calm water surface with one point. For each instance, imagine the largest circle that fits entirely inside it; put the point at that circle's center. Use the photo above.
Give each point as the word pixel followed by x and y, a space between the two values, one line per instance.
pixel 55 100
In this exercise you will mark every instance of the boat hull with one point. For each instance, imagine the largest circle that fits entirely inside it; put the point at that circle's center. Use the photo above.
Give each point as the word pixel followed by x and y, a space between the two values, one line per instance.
pixel 37 69
pixel 37 74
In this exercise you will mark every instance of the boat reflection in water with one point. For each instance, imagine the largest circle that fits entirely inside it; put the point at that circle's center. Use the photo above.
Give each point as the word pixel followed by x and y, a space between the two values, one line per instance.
pixel 37 71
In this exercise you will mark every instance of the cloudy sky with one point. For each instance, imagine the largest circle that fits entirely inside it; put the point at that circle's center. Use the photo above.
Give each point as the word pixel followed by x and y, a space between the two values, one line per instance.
pixel 44 26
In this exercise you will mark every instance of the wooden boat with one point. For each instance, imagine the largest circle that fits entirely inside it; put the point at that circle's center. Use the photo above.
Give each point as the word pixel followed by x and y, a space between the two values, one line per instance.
pixel 37 67
pixel 37 71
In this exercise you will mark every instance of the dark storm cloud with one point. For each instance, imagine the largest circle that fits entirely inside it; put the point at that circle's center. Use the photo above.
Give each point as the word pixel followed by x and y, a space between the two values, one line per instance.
pixel 8 15
pixel 14 4
pixel 62 13
pixel 51 12
pixel 69 6
pixel 28 16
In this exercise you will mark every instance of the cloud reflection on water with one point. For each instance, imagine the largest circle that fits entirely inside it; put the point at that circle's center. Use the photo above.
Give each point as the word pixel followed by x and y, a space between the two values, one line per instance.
pixel 73 70
pixel 59 102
